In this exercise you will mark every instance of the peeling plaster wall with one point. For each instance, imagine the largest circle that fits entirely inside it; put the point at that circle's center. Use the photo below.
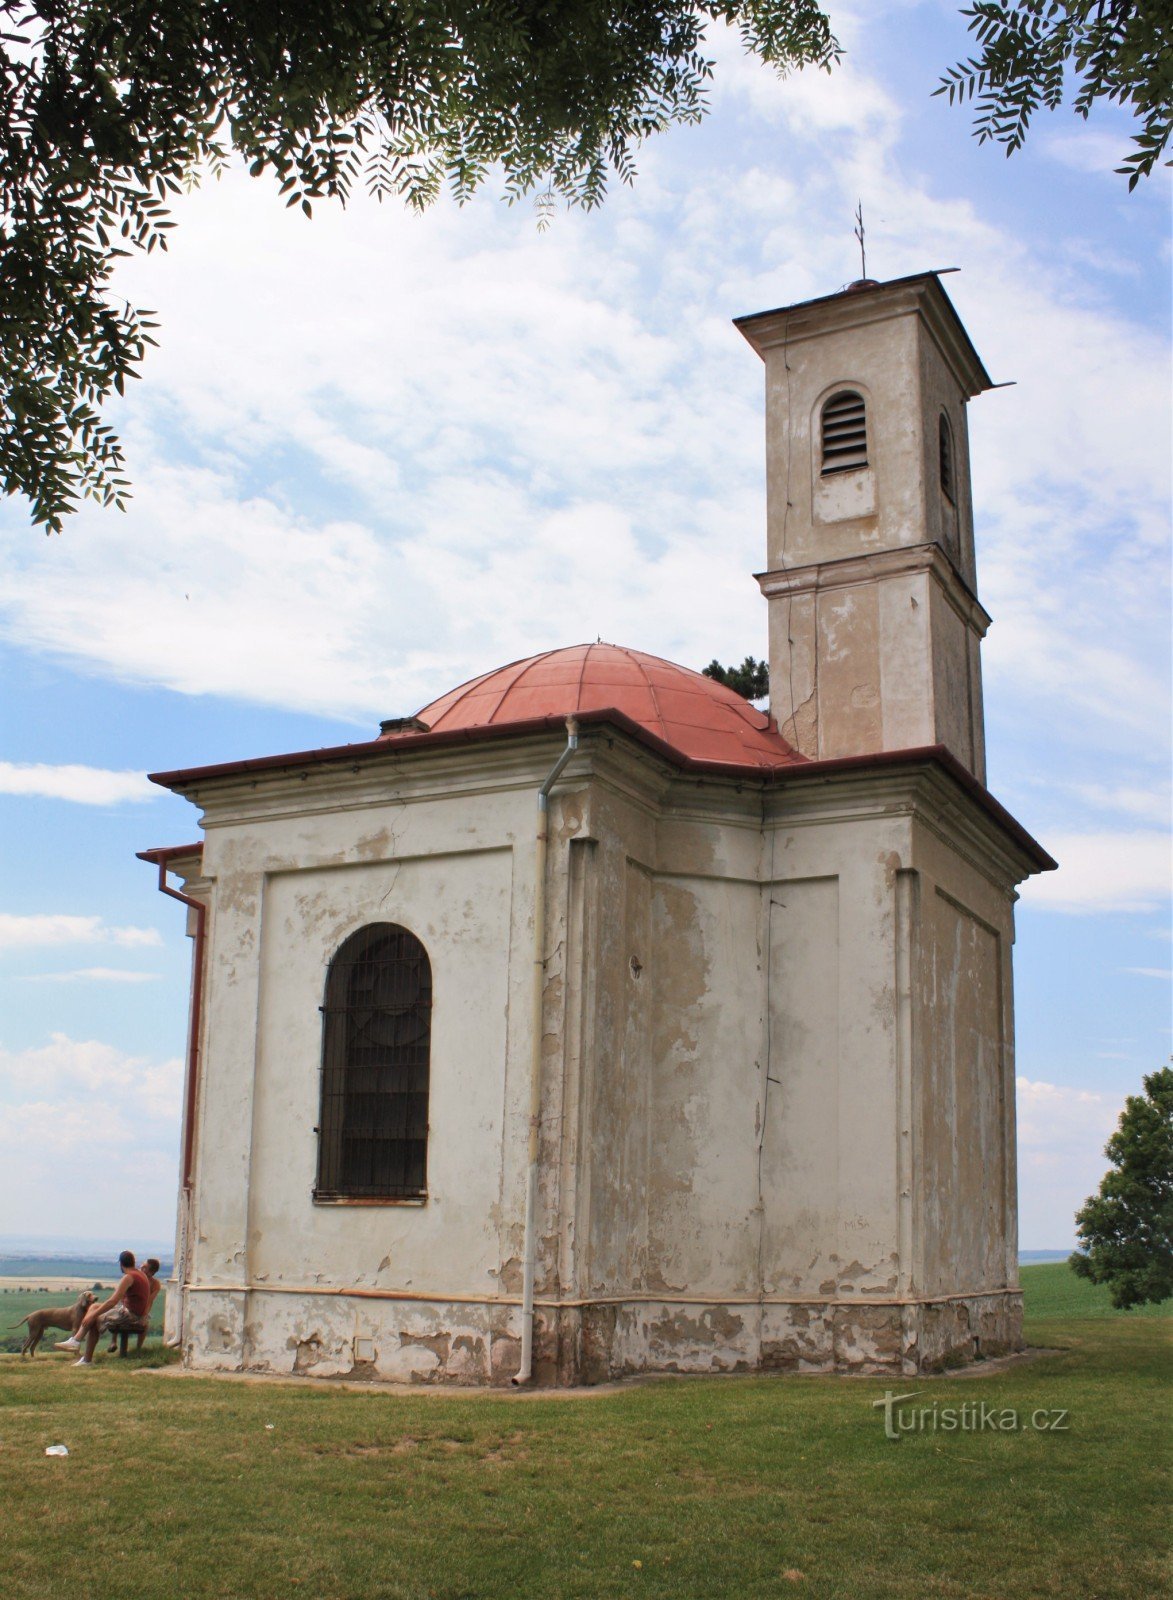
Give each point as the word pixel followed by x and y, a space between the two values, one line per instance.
pixel 795 1015
pixel 287 890
pixel 968 1192
pixel 459 907
pixel 705 1084
pixel 776 1047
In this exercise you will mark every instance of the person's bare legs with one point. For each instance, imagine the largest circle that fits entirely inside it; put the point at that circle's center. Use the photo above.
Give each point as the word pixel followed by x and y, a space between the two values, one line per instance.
pixel 92 1338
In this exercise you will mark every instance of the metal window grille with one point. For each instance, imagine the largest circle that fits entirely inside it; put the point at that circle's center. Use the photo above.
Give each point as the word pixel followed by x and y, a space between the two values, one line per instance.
pixel 845 434
pixel 946 455
pixel 376 1047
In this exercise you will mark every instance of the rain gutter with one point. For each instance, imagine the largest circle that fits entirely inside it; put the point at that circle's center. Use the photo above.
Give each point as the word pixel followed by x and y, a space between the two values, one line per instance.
pixel 525 1371
pixel 163 859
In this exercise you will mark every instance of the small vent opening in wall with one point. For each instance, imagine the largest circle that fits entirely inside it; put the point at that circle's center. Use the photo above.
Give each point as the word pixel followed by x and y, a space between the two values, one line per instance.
pixel 845 434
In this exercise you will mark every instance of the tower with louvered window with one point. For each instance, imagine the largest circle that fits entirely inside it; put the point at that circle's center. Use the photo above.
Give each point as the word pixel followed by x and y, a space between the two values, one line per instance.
pixel 875 625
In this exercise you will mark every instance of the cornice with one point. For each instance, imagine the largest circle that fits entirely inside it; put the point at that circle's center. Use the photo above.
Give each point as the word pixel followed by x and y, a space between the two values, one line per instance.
pixel 851 571
pixel 930 792
pixel 921 295
pixel 626 765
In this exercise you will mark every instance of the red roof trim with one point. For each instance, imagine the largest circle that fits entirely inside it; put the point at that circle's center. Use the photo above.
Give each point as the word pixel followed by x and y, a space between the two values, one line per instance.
pixel 161 854
pixel 797 769
pixel 438 738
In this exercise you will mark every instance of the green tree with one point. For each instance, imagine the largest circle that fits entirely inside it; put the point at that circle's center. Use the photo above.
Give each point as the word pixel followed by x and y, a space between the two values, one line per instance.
pixel 1034 52
pixel 1126 1230
pixel 751 679
pixel 107 110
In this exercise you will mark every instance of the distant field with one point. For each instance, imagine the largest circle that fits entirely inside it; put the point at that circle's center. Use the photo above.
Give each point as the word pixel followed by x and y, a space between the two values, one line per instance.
pixel 16 1303
pixel 1053 1290
pixel 60 1269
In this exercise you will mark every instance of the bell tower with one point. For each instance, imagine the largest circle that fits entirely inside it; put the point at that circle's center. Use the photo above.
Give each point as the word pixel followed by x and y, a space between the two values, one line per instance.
pixel 875 625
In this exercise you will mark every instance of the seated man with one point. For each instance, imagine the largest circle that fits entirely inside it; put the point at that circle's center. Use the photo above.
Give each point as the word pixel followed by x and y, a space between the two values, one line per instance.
pixel 122 1335
pixel 126 1308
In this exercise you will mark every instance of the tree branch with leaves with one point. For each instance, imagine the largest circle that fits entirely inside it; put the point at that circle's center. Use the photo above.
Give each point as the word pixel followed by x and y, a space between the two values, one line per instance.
pixel 1036 52
pixel 108 111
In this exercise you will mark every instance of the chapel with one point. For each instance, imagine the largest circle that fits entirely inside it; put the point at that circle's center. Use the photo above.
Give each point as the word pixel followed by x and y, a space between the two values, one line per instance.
pixel 592 1021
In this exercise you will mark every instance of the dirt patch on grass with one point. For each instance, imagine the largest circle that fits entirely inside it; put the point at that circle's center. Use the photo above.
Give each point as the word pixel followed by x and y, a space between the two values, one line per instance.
pixel 431 1391
pixel 987 1368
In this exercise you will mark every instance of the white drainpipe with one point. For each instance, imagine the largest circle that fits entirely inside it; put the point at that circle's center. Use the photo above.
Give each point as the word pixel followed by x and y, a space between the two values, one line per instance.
pixel 525 1372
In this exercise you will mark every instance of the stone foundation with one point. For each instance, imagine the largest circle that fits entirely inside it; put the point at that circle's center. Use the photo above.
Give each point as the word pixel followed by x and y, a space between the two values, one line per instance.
pixel 910 1338
pixel 345 1336
pixel 449 1342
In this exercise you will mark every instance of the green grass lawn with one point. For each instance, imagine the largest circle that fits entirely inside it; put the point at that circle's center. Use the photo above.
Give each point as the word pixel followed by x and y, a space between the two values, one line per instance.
pixel 1053 1290
pixel 740 1487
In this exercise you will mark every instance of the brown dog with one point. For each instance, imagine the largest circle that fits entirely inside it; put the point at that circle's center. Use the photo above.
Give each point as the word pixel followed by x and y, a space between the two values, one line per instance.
pixel 68 1317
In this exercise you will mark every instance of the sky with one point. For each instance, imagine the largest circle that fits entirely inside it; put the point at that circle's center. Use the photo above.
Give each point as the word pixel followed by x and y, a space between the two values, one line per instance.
pixel 378 453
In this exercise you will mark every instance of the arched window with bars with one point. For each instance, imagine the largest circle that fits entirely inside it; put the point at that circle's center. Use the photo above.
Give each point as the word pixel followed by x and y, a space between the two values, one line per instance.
pixel 844 432
pixel 376 1053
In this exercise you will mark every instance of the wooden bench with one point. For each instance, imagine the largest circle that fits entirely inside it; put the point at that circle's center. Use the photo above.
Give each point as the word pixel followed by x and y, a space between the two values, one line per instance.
pixel 121 1337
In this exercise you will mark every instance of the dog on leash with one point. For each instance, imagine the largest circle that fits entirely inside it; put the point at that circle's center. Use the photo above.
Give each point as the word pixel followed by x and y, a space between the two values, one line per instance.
pixel 68 1317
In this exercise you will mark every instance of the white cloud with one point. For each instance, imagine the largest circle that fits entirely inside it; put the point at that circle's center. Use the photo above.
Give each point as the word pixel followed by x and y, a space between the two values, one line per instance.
pixel 1055 1118
pixel 22 932
pixel 1088 150
pixel 92 974
pixel 57 1129
pixel 810 103
pixel 91 786
pixel 486 441
pixel 1149 804
pixel 1150 972
pixel 65 1062
pixel 567 443
pixel 1126 871
pixel 1061 1136
pixel 82 1121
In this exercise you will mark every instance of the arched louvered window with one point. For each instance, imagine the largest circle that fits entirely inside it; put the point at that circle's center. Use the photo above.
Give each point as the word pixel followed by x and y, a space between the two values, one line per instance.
pixel 376 1046
pixel 945 436
pixel 845 432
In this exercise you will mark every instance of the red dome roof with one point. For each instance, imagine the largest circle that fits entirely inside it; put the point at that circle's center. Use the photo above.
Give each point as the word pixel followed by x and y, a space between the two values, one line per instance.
pixel 700 720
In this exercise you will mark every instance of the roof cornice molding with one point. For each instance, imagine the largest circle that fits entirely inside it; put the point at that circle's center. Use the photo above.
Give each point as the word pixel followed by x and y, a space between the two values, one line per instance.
pixel 921 295
pixel 516 758
pixel 929 785
pixel 850 571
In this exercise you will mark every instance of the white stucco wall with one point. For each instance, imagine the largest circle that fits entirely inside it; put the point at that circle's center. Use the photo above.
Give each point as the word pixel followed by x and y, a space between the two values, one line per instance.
pixel 775 1057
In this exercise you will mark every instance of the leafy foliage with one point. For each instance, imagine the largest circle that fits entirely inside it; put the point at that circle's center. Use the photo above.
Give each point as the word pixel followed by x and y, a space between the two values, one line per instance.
pixel 109 110
pixel 1127 1228
pixel 1119 50
pixel 751 679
